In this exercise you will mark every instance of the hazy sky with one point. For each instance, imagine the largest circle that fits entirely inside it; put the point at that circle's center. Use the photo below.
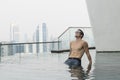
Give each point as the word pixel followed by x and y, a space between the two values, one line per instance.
pixel 27 14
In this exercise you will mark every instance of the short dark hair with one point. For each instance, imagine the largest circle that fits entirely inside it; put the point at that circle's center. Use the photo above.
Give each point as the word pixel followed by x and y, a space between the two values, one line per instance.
pixel 81 32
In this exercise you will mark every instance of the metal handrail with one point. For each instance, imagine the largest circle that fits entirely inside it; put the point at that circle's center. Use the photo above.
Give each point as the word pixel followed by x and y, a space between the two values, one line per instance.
pixel 29 43
pixel 69 28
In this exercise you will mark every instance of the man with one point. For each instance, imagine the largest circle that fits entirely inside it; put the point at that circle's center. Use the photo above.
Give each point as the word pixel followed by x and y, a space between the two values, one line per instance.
pixel 77 49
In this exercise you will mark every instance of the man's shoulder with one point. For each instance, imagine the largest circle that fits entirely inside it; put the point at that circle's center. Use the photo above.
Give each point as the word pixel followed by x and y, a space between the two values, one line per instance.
pixel 84 42
pixel 72 41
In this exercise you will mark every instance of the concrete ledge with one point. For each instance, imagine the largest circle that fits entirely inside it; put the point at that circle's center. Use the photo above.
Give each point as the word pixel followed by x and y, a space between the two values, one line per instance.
pixel 108 51
pixel 59 51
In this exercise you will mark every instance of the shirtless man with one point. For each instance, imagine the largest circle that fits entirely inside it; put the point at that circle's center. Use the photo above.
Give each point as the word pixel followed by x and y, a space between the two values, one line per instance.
pixel 77 49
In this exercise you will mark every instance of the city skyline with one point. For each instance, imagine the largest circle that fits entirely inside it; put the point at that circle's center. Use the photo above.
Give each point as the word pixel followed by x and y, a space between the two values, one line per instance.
pixel 15 34
pixel 40 35
pixel 58 15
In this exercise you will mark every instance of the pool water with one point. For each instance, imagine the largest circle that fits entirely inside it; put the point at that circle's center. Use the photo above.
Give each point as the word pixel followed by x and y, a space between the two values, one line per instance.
pixel 45 66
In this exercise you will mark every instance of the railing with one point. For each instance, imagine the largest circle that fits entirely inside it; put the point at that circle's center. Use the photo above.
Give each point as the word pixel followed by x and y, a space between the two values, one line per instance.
pixel 10 49
pixel 69 35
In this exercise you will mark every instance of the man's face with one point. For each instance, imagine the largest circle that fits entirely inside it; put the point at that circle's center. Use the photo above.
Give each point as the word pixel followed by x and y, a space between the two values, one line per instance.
pixel 77 34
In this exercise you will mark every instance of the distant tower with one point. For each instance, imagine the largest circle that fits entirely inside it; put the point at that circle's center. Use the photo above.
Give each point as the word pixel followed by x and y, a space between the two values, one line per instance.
pixel 44 35
pixel 14 37
pixel 34 45
pixel 14 33
pixel 39 39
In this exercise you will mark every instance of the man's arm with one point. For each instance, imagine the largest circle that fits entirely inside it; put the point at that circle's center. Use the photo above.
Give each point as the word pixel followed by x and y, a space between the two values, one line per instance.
pixel 87 52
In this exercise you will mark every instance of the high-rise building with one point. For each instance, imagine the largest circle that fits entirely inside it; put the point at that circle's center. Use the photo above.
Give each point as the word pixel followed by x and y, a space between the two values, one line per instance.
pixel 14 37
pixel 34 45
pixel 14 33
pixel 45 36
pixel 39 39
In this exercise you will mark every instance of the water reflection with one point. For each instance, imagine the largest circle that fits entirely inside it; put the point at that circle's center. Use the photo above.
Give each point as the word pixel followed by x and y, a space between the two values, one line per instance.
pixel 79 73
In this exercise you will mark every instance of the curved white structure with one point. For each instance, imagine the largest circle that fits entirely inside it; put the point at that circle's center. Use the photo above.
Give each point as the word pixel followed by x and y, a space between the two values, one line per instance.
pixel 105 19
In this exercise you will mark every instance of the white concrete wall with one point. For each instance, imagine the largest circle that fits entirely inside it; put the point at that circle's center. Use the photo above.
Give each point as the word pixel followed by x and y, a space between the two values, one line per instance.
pixel 105 19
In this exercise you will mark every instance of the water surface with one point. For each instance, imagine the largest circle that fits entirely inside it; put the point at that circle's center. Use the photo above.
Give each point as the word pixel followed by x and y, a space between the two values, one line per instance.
pixel 45 66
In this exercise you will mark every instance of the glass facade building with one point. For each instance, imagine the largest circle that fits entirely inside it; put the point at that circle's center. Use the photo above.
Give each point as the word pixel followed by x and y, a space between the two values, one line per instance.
pixel 44 35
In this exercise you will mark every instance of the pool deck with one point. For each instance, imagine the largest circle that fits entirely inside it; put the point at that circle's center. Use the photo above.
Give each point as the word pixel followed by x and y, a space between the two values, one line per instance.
pixel 107 66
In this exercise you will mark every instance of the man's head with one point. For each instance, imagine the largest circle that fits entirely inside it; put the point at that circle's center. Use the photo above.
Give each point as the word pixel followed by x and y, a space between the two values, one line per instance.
pixel 79 34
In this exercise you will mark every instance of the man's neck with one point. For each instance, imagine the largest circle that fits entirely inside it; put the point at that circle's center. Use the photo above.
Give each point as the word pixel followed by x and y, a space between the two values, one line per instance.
pixel 78 39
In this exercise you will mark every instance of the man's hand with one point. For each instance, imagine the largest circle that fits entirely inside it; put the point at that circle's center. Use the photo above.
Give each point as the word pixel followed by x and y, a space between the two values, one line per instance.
pixel 88 68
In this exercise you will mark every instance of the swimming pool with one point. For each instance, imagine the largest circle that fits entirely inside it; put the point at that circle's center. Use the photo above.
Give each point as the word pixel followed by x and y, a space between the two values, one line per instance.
pixel 45 66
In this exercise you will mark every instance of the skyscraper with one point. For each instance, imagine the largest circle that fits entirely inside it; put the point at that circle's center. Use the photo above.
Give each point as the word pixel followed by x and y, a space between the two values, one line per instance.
pixel 39 39
pixel 44 35
pixel 14 33
pixel 14 37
